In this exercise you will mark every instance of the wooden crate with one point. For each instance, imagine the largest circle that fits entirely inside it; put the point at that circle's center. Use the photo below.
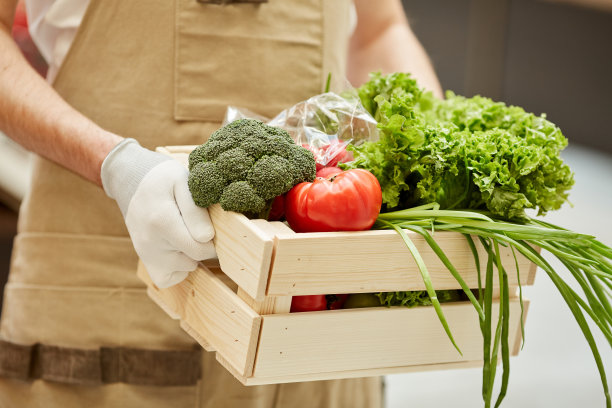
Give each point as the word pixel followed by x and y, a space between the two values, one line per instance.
pixel 240 306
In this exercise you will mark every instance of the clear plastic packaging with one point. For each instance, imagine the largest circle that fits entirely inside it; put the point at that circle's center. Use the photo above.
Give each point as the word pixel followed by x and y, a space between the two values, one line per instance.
pixel 325 124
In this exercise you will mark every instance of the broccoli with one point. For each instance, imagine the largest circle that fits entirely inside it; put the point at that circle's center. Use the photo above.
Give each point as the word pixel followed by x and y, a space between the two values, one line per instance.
pixel 245 165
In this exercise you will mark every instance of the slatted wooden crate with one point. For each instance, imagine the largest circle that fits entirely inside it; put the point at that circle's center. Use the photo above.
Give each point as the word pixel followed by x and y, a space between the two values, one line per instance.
pixel 240 307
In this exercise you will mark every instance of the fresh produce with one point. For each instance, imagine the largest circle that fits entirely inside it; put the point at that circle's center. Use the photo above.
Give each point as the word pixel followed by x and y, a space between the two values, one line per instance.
pixel 459 152
pixel 328 172
pixel 348 201
pixel 245 165
pixel 308 303
pixel 417 297
pixel 331 154
pixel 359 300
pixel 311 303
pixel 474 166
pixel 336 301
pixel 277 210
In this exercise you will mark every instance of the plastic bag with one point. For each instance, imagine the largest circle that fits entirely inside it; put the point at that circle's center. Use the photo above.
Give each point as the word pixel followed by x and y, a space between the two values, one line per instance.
pixel 325 124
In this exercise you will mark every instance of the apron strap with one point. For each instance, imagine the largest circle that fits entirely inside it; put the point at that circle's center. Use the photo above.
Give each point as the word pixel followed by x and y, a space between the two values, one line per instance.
pixel 102 366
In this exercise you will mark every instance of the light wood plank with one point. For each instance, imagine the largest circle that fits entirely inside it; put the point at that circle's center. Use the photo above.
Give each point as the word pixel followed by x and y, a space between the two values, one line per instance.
pixel 373 372
pixel 193 333
pixel 244 251
pixel 211 310
pixel 372 261
pixel 180 153
pixel 373 338
pixel 270 304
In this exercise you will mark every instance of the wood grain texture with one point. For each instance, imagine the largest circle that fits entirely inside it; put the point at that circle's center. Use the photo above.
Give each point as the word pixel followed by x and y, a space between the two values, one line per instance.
pixel 373 338
pixel 244 251
pixel 372 261
pixel 270 304
pixel 373 372
pixel 209 309
pixel 193 333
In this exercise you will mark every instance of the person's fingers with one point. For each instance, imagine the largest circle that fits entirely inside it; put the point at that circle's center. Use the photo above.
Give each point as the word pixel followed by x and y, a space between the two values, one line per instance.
pixel 154 214
pixel 169 269
pixel 175 233
pixel 166 227
pixel 196 218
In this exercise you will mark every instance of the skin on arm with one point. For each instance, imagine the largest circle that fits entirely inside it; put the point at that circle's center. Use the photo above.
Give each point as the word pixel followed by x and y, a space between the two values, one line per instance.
pixel 36 117
pixel 383 41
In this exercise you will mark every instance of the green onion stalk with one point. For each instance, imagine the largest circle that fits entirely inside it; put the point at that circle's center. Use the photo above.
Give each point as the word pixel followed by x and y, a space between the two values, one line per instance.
pixel 588 261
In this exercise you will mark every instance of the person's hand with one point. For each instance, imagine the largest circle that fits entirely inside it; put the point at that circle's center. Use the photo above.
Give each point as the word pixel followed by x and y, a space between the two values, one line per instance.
pixel 169 232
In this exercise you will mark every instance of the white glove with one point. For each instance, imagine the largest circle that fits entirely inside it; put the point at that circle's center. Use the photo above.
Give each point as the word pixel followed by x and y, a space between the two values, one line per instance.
pixel 169 232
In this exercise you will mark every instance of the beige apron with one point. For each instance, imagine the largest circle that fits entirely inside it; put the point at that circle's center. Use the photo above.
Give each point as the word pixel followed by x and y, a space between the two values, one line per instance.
pixel 77 327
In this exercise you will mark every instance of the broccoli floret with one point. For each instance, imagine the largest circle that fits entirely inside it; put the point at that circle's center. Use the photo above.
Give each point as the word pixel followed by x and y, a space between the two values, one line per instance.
pixel 271 176
pixel 206 183
pixel 196 156
pixel 280 132
pixel 245 165
pixel 241 197
pixel 301 160
pixel 234 164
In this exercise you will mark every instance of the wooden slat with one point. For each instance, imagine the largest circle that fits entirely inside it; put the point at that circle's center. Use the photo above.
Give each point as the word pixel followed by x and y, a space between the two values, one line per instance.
pixel 374 372
pixel 244 251
pixel 193 333
pixel 211 310
pixel 180 153
pixel 373 338
pixel 371 261
pixel 271 304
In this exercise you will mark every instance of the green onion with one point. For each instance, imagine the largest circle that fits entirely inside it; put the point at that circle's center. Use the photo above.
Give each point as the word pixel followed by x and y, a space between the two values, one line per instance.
pixel 588 261
pixel 427 280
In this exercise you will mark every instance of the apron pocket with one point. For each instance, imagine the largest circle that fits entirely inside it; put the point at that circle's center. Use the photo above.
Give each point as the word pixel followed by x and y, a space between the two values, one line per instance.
pixel 87 317
pixel 263 57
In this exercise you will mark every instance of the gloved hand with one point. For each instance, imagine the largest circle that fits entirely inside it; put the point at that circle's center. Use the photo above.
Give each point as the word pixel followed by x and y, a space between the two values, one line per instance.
pixel 169 232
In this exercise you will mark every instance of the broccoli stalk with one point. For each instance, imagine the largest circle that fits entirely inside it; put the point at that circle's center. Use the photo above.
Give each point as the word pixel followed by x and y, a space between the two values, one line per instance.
pixel 245 165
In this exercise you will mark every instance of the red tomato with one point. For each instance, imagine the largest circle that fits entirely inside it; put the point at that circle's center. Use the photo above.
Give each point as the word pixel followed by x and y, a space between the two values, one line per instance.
pixel 331 154
pixel 337 153
pixel 278 209
pixel 349 201
pixel 311 303
pixel 308 303
pixel 327 172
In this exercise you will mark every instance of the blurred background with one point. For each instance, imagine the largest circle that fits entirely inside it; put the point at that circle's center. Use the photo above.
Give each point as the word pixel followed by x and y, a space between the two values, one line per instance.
pixel 546 56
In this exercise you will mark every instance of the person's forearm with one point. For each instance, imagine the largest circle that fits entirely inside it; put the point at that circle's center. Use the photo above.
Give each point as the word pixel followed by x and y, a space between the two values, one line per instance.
pixel 35 116
pixel 383 41
pixel 383 54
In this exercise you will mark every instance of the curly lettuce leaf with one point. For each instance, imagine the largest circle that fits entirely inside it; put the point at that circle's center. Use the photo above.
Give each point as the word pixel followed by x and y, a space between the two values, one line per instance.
pixel 461 152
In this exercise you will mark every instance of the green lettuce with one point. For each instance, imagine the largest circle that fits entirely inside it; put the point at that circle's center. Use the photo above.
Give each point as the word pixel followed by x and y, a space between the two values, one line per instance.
pixel 418 297
pixel 461 152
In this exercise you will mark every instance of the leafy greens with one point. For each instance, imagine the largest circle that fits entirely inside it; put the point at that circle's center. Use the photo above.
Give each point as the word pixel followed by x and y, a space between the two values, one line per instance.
pixel 461 152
